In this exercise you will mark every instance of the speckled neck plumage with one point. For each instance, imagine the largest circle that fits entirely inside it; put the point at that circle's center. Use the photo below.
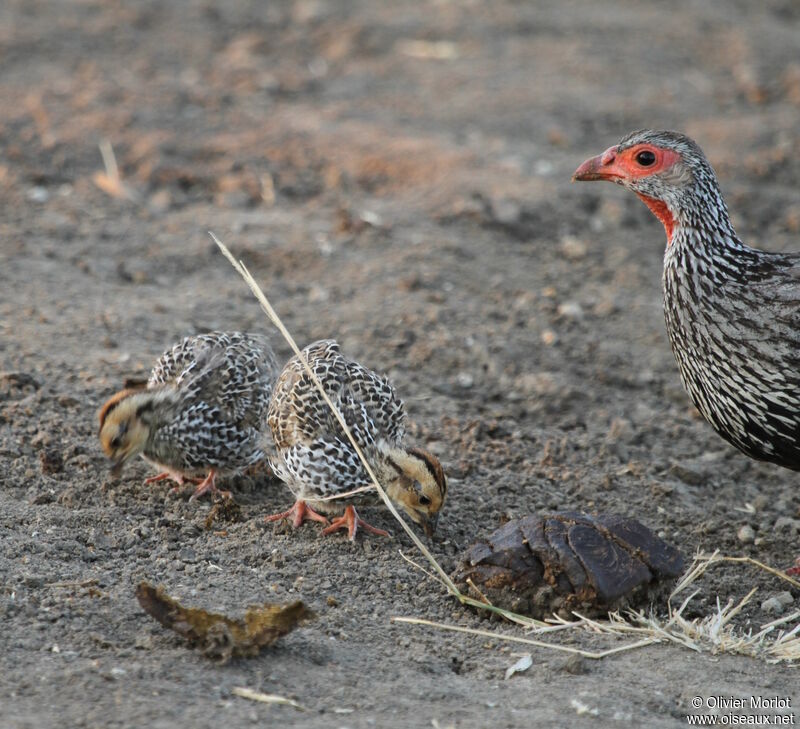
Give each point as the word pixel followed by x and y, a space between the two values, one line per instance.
pixel 731 315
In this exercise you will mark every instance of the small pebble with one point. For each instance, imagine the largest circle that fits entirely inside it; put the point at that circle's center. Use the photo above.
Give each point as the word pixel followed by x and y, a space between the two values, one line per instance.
pixel 576 665
pixel 746 534
pixel 38 194
pixel 620 430
pixel 549 337
pixel 187 554
pixel 784 598
pixel 160 201
pixel 573 248
pixel 686 474
pixel 787 523
pixel 465 380
pixel 772 606
pixel 506 212
pixel 571 310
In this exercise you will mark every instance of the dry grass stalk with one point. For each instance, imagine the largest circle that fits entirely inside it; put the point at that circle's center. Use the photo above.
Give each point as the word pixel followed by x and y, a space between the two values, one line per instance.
pixel 110 181
pixel 262 698
pixel 595 655
pixel 426 50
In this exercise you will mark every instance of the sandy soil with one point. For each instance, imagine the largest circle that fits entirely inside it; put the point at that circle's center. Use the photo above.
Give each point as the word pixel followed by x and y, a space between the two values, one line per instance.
pixel 396 176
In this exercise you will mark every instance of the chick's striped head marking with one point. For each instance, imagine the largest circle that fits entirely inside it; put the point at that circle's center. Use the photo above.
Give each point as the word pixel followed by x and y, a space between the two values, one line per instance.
pixel 421 486
pixel 125 426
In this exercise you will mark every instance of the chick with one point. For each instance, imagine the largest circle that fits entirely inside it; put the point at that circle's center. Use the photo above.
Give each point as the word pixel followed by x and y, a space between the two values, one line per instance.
pixel 316 459
pixel 203 411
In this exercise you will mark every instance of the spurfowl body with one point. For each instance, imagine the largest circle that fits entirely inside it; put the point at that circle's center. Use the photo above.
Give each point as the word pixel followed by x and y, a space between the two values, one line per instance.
pixel 203 411
pixel 315 457
pixel 732 312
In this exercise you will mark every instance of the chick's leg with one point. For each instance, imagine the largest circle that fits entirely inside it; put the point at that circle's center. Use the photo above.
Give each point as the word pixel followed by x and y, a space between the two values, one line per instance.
pixel 155 479
pixel 351 521
pixel 209 486
pixel 178 478
pixel 299 513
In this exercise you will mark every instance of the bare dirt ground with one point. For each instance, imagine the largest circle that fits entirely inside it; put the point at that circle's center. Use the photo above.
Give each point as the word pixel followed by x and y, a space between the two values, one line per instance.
pixel 396 175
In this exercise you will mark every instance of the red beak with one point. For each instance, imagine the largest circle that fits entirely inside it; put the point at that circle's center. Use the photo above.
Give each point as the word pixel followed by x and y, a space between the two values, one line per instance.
pixel 601 167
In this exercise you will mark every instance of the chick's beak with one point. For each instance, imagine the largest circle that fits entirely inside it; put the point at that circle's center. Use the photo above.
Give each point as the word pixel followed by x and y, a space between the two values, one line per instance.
pixel 429 524
pixel 116 468
pixel 602 167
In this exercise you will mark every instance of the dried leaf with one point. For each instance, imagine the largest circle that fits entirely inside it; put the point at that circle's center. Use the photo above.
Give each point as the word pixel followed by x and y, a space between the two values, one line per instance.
pixel 523 664
pixel 218 636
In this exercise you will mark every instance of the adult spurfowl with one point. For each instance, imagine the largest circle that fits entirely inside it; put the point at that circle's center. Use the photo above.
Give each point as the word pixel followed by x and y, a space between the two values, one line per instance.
pixel 316 459
pixel 732 312
pixel 203 411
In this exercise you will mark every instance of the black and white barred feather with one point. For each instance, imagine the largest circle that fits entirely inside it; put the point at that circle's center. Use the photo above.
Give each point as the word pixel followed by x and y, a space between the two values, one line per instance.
pixel 212 393
pixel 315 458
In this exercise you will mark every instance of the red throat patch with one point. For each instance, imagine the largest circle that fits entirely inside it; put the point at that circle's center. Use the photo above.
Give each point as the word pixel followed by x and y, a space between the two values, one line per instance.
pixel 661 211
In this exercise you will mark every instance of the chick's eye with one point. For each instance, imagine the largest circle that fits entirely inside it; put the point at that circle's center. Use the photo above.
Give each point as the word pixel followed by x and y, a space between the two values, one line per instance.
pixel 646 158
pixel 116 441
pixel 424 500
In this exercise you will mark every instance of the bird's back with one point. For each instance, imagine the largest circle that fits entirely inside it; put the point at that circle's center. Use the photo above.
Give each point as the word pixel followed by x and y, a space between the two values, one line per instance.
pixel 315 456
pixel 298 412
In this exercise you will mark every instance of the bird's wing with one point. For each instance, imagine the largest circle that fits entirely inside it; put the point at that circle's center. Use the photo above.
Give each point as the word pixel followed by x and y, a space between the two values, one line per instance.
pixel 763 313
pixel 297 411
pixel 322 467
pixel 378 400
pixel 174 362
pixel 204 436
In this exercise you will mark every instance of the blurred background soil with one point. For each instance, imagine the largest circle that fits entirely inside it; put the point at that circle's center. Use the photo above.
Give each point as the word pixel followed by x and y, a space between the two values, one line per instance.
pixel 396 175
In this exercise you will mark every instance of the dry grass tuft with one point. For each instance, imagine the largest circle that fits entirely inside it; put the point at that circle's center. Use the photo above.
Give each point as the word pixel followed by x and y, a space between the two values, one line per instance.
pixel 714 633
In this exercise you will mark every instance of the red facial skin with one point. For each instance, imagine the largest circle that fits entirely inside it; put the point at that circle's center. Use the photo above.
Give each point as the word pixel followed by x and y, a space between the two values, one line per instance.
pixel 613 165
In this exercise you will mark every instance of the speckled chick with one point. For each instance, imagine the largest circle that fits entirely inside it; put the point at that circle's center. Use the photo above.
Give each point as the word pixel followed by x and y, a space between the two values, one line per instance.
pixel 202 413
pixel 316 459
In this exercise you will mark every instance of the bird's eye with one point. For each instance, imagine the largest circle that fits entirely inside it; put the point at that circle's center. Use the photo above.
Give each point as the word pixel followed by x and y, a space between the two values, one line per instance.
pixel 116 441
pixel 646 158
pixel 424 500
